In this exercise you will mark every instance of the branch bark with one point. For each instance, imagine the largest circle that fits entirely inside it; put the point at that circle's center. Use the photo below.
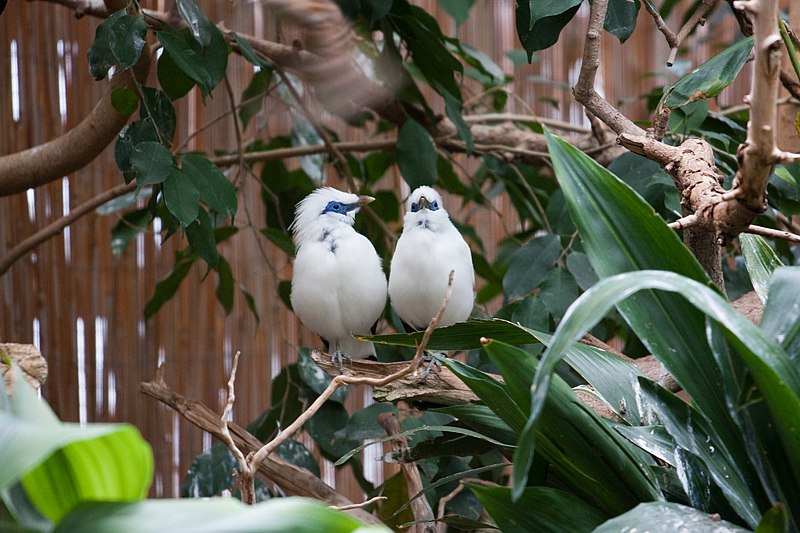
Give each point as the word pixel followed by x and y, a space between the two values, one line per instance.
pixel 76 148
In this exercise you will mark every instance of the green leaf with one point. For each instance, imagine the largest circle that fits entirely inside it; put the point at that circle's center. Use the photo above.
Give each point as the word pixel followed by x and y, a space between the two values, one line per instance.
pixel 118 40
pixel 453 108
pixel 216 191
pixel 152 162
pixel 458 9
pixel 156 109
pixel 771 370
pixel 213 515
pixel 225 284
pixel 667 517
pixel 201 238
pixel 128 227
pixel 175 82
pixel 776 520
pixel 707 80
pixel 621 18
pixel 248 53
pixel 181 196
pixel 130 136
pixel 539 23
pixel 529 266
pixel 558 291
pixel 210 473
pixel 761 262
pixel 251 303
pixel 186 58
pixel 124 100
pixel 281 239
pixel 167 287
pixel 316 378
pixel 416 155
pixel 539 509
pixel 781 320
pixel 196 20
pixel 253 95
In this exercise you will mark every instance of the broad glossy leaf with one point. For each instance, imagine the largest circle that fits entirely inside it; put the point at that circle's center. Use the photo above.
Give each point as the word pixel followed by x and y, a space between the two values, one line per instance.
pixel 212 516
pixel 225 284
pixel 152 161
pixel 558 291
pixel 458 9
pixel 253 95
pixel 296 453
pixel 186 58
pixel 530 265
pixel 129 137
pixel 216 191
pixel 538 509
pixel 124 100
pixel 416 154
pixel 156 107
pixel 621 18
pixel 118 40
pixel 653 439
pixel 167 287
pixel 707 80
pixel 667 517
pixel 175 82
pixel 181 196
pixel 248 53
pixel 539 23
pixel 777 380
pixel 210 473
pixel 453 108
pixel 316 378
pixel 196 20
pixel 480 418
pixel 781 318
pixel 761 262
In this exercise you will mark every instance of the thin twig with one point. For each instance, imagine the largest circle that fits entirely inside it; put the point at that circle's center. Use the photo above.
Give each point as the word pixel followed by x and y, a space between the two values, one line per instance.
pixel 360 505
pixel 773 233
pixel 684 222
pixel 696 18
pixel 246 473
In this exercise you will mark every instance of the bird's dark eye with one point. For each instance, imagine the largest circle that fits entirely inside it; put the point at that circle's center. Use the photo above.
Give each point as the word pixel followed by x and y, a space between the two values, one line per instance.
pixel 433 206
pixel 414 207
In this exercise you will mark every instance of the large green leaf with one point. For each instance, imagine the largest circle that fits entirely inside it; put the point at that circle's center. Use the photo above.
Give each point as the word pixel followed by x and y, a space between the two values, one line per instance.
pixel 212 516
pixel 621 18
pixel 61 465
pixel 416 154
pixel 707 80
pixel 181 196
pixel 781 318
pixel 667 517
pixel 761 262
pixel 539 23
pixel 216 191
pixel 621 233
pixel 773 374
pixel 539 509
pixel 530 264
pixel 118 40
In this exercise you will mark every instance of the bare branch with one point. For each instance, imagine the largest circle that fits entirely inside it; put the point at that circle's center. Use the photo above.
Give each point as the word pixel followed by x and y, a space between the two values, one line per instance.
pixel 696 18
pixel 773 233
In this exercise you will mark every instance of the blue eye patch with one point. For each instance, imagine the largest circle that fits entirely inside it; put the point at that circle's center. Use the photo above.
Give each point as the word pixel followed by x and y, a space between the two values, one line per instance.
pixel 338 207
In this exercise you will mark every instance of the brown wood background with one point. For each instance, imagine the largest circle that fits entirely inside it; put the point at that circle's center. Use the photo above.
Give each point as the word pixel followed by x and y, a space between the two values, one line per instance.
pixel 83 308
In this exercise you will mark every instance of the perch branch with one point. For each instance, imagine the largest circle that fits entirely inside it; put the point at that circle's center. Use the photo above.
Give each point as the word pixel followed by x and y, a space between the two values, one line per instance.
pixel 292 479
pixel 246 475
pixel 697 18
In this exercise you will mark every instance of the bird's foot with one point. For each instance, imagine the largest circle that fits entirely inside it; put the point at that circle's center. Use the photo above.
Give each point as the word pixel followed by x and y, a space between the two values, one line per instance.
pixel 432 359
pixel 339 357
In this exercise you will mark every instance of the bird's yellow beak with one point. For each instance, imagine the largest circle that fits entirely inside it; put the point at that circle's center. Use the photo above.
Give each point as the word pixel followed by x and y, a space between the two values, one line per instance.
pixel 364 200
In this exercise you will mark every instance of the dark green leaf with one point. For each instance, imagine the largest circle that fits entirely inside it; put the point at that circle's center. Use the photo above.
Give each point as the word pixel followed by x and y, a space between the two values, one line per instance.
pixel 581 269
pixel 248 53
pixel 214 188
pixel 128 227
pixel 251 303
pixel 776 520
pixel 118 40
pixel 458 9
pixel 761 262
pixel 186 58
pixel 707 80
pixel 152 162
pixel 210 473
pixel 416 155
pixel 175 82
pixel 181 196
pixel 667 517
pixel 124 100
pixel 295 453
pixel 156 107
pixel 375 9
pixel 224 284
pixel 621 18
pixel 281 239
pixel 129 137
pixel 253 95
pixel 196 20
pixel 558 291
pixel 316 378
pixel 215 56
pixel 540 23
pixel 167 287
pixel 538 509
pixel 453 108
pixel 529 266
pixel 201 238
pixel 326 429
pixel 100 57
pixel 781 320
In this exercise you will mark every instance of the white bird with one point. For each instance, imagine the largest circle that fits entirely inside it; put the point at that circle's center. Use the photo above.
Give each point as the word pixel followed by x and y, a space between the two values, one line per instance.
pixel 338 283
pixel 428 249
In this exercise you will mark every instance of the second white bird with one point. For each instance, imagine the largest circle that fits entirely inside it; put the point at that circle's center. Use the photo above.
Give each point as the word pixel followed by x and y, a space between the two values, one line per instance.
pixel 428 249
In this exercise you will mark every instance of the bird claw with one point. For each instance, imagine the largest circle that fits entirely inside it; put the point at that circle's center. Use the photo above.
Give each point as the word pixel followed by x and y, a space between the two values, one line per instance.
pixel 339 357
pixel 430 358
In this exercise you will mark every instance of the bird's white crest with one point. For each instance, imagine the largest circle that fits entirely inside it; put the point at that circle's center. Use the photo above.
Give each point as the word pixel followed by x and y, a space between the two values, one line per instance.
pixel 338 284
pixel 428 249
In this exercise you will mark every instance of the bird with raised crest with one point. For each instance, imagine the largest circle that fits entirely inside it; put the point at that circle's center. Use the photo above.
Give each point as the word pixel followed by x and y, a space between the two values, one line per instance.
pixel 427 250
pixel 338 283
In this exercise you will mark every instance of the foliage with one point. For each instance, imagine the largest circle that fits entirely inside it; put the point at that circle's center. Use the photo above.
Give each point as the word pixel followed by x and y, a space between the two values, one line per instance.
pixel 591 253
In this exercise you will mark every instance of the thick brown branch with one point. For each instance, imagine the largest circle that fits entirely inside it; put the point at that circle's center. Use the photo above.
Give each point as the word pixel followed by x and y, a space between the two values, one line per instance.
pixel 292 479
pixel 76 148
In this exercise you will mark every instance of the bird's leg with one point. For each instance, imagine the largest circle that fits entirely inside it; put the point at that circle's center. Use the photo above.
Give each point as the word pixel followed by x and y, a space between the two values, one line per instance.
pixel 432 359
pixel 338 356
